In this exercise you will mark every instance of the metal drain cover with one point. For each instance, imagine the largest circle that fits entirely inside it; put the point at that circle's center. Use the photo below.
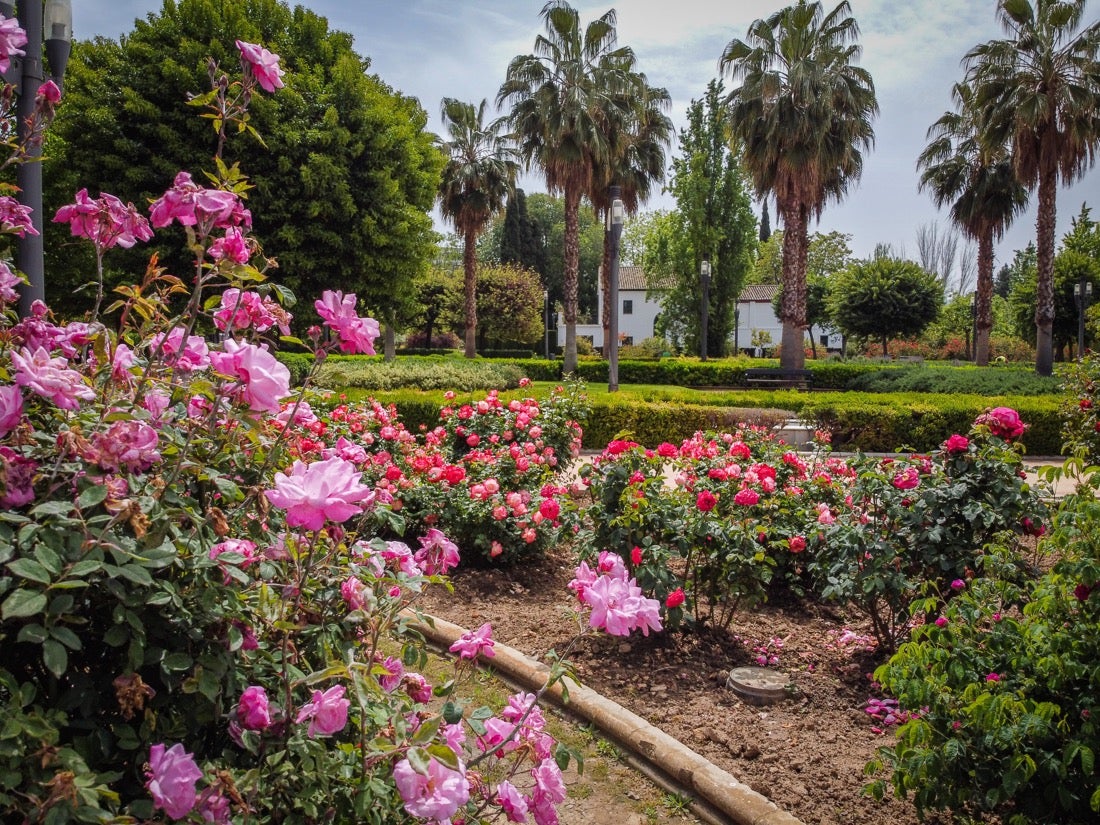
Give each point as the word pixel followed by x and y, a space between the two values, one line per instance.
pixel 759 685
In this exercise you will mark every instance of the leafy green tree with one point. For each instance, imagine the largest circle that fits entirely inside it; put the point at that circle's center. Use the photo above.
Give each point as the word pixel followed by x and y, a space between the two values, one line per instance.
pixel 803 113
pixel 512 297
pixel 976 179
pixel 547 214
pixel 479 175
pixel 635 162
pixel 884 298
pixel 343 194
pixel 713 220
pixel 1037 91
pixel 562 97
pixel 520 238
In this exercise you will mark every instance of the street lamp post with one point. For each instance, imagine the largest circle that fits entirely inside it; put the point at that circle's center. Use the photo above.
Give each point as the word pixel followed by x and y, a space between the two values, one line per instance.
pixel 615 214
pixel 54 19
pixel 972 332
pixel 704 278
pixel 1082 295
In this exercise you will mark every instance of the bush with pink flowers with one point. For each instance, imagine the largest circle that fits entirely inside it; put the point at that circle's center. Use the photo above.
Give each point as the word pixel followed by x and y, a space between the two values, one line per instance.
pixel 205 586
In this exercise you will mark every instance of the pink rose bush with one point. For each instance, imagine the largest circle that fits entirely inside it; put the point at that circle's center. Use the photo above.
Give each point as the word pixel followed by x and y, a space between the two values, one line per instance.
pixel 215 562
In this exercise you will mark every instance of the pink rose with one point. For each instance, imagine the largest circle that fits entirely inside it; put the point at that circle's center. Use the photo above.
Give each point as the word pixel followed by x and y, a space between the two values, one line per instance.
pixel 12 40
pixel 511 802
pixel 437 796
pixel 706 500
pixel 11 408
pixel 327 712
pixel 437 554
pixel 51 378
pixel 171 779
pixel 956 444
pixel 746 497
pixel 907 479
pixel 329 490
pixel 474 643
pixel 356 334
pixel 18 474
pixel 1003 422
pixel 233 247
pixel 262 65
pixel 105 221
pixel 128 444
pixel 253 711
pixel 263 380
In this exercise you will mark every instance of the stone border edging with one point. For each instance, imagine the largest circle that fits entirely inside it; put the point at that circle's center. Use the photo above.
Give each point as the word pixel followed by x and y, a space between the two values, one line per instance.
pixel 660 753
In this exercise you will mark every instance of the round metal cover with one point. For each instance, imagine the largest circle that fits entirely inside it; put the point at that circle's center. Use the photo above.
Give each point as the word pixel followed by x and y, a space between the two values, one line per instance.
pixel 758 685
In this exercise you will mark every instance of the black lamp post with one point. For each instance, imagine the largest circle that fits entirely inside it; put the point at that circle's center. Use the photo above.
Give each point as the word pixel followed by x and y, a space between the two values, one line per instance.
pixel 972 331
pixel 615 214
pixel 704 279
pixel 49 24
pixel 1082 295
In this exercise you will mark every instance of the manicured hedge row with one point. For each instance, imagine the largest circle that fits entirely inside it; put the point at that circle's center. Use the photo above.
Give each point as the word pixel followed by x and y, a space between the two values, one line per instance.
pixel 858 421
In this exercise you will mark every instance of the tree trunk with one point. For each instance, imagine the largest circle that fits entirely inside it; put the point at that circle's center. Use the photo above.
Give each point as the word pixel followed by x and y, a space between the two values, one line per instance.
pixel 572 264
pixel 605 289
pixel 389 341
pixel 792 354
pixel 983 299
pixel 469 306
pixel 1044 292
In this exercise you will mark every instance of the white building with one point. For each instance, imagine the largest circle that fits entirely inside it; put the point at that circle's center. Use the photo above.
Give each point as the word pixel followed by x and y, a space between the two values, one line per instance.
pixel 637 314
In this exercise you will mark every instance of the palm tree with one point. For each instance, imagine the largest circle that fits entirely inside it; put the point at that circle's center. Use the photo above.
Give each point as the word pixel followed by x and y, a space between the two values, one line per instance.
pixel 803 113
pixel 1039 91
pixel 635 165
pixel 480 173
pixel 978 181
pixel 568 104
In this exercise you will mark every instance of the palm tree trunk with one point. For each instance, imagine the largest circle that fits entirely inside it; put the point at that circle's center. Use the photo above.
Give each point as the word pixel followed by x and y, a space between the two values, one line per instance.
pixel 605 287
pixel 469 307
pixel 792 353
pixel 389 340
pixel 572 264
pixel 1044 292
pixel 983 299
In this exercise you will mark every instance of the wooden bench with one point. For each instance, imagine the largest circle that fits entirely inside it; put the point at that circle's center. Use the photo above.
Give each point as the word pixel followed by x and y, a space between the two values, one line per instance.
pixel 773 377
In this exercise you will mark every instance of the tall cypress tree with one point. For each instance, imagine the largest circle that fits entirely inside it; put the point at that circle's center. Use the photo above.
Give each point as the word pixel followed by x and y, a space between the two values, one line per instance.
pixel 765 224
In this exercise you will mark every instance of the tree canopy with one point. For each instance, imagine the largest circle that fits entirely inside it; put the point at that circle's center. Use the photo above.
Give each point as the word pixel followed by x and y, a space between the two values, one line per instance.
pixel 342 192
pixel 884 298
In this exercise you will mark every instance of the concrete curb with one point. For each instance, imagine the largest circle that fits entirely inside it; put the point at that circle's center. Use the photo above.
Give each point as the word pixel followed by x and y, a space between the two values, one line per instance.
pixel 661 755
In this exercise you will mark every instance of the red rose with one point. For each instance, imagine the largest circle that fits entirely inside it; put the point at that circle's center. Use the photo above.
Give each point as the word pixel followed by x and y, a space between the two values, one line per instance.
pixel 706 501
pixel 675 598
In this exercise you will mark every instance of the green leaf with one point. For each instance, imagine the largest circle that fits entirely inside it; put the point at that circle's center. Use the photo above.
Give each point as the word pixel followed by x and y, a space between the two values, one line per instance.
pixel 136 574
pixel 23 603
pixel 176 661
pixel 30 569
pixel 96 494
pixel 55 657
pixel 419 760
pixel 53 508
pixel 66 637
pixel 452 713
pixel 84 567
pixel 49 559
pixel 33 633
pixel 444 755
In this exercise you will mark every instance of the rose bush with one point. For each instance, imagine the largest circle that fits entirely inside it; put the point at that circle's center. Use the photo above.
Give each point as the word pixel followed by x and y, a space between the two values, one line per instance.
pixel 203 603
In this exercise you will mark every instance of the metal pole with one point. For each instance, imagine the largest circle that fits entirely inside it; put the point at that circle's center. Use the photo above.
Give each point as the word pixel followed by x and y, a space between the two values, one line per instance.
pixel 704 276
pixel 615 226
pixel 28 176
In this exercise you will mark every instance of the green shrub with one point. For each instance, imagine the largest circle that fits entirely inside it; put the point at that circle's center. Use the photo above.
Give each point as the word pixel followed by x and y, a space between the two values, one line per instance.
pixel 652 423
pixel 458 374
pixel 1005 689
pixel 969 380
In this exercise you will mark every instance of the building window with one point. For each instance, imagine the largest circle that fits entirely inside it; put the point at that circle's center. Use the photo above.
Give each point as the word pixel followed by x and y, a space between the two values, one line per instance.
pixel 628 340
pixel 628 307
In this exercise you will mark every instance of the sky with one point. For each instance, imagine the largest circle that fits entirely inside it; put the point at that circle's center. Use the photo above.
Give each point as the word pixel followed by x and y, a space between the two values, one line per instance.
pixel 431 49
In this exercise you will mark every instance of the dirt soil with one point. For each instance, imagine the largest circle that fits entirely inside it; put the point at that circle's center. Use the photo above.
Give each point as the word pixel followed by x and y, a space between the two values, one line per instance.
pixel 805 753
